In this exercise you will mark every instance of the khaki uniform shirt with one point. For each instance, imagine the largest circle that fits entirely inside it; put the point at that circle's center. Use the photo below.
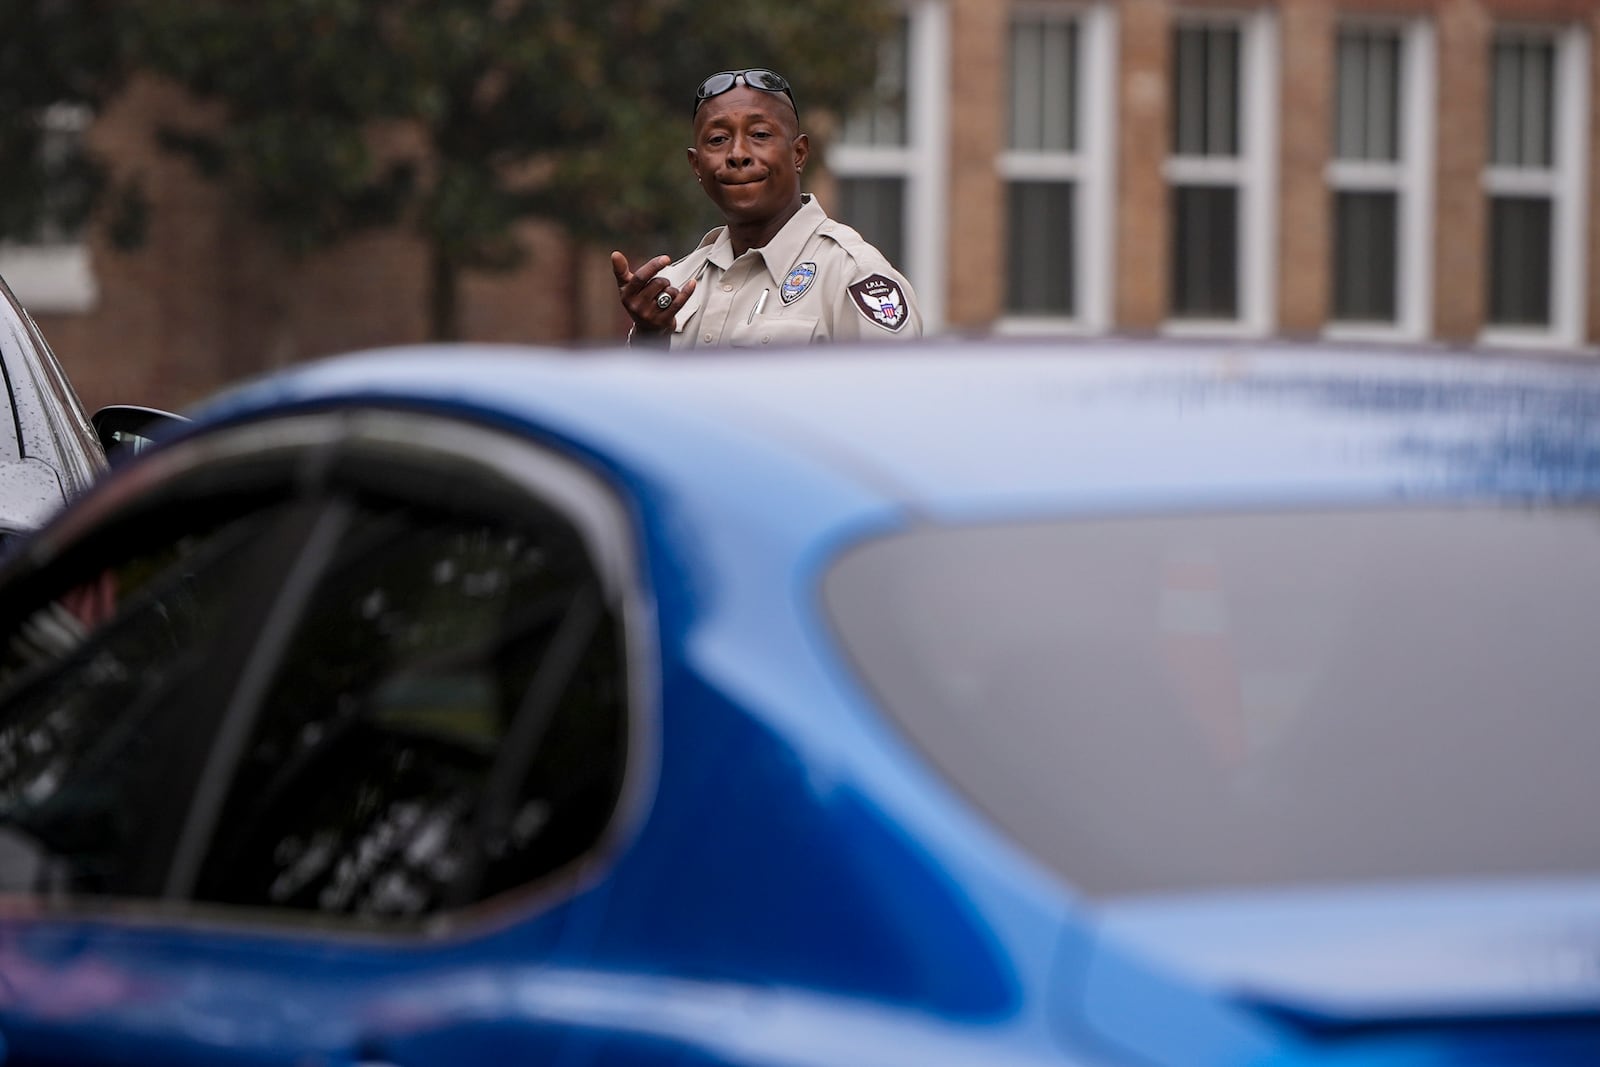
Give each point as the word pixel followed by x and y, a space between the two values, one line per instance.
pixel 817 280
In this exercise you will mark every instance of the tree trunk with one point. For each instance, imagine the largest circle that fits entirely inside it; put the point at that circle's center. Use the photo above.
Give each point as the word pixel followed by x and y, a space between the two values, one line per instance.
pixel 444 295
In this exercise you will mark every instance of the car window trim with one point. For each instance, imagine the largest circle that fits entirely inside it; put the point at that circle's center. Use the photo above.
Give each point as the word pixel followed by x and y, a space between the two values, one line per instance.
pixel 585 497
pixel 565 484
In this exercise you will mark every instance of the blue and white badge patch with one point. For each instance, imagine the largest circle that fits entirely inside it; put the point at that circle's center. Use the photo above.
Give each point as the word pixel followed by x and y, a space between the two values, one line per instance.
pixel 798 281
pixel 880 300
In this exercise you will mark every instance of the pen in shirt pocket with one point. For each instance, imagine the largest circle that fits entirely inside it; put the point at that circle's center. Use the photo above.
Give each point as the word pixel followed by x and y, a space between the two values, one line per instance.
pixel 757 308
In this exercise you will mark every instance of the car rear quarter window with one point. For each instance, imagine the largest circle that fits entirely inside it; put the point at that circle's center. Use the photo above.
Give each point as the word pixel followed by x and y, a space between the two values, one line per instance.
pixel 448 722
pixel 1157 704
pixel 366 664
pixel 98 659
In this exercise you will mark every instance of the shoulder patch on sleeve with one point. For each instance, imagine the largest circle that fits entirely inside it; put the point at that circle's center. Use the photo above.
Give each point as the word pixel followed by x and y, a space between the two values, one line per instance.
pixel 880 301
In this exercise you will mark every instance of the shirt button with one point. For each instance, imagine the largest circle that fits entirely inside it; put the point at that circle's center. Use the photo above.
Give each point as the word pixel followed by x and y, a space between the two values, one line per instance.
pixel 708 338
pixel 766 338
pixel 727 288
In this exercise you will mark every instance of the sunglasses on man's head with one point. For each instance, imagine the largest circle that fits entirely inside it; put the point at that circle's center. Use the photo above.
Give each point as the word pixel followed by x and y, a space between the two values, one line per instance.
pixel 755 77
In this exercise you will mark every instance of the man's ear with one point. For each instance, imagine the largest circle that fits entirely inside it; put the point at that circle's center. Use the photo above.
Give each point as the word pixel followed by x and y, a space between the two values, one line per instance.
pixel 694 161
pixel 802 151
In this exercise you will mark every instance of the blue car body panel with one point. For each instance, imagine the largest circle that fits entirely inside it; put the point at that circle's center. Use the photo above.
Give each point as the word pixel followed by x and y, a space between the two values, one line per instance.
pixel 802 888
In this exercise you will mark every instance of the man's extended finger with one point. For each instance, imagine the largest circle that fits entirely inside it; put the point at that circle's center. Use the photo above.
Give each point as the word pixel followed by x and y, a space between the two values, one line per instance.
pixel 652 268
pixel 619 267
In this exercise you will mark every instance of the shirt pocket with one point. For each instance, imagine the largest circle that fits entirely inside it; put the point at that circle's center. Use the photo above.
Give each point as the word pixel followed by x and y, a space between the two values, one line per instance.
pixel 779 332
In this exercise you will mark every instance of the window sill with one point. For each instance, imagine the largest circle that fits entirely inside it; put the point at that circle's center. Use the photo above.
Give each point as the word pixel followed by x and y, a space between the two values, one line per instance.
pixel 1226 329
pixel 50 278
pixel 1373 332
pixel 1505 337
pixel 1041 326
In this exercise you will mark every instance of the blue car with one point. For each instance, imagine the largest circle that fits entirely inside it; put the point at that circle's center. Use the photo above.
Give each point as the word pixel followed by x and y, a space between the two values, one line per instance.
pixel 1118 704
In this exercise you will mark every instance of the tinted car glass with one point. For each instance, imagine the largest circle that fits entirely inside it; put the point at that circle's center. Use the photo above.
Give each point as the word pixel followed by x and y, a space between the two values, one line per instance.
pixel 448 721
pixel 1158 704
pixel 89 682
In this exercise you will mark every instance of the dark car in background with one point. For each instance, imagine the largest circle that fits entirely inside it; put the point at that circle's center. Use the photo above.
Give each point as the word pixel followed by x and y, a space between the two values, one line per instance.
pixel 50 448
pixel 1124 705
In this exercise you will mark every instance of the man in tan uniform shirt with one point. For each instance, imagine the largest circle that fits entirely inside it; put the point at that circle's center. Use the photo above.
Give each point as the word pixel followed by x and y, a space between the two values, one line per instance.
pixel 780 272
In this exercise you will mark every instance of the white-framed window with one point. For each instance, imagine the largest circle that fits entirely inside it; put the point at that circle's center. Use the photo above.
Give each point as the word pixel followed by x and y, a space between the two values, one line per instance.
pixel 1222 173
pixel 1059 167
pixel 1380 180
pixel 53 273
pixel 890 158
pixel 1534 183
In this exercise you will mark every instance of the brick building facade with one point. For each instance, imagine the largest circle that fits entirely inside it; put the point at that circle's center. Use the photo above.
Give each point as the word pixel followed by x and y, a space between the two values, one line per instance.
pixel 1416 170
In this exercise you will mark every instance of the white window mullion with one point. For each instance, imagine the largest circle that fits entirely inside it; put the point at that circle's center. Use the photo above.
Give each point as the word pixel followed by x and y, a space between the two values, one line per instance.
pixel 1572 210
pixel 1419 103
pixel 1259 214
pixel 1361 175
pixel 1042 166
pixel 1096 184
pixel 1512 181
pixel 865 161
pixel 1180 170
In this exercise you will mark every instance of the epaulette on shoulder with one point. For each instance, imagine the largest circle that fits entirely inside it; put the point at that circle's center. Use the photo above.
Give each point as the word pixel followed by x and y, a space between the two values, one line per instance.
pixel 857 247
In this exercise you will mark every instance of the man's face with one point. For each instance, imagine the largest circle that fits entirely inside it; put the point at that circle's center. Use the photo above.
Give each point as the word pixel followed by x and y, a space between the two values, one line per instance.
pixel 748 154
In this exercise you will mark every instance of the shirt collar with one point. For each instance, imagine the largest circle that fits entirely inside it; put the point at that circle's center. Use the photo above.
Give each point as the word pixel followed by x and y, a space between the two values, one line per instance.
pixel 780 253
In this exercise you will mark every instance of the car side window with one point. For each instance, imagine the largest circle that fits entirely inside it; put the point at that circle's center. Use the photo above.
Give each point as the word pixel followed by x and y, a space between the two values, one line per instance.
pixel 448 721
pixel 93 656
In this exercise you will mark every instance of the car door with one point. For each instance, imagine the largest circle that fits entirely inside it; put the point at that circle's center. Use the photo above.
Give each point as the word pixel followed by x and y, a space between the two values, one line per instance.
pixel 403 758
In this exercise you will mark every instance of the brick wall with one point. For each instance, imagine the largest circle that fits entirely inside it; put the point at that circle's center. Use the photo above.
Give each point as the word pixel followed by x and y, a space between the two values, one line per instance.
pixel 1306 29
pixel 209 300
pixel 1144 129
pixel 1459 277
pixel 977 195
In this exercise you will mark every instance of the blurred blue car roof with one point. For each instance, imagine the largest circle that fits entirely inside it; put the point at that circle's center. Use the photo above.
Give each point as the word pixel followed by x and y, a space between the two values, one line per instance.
pixel 992 428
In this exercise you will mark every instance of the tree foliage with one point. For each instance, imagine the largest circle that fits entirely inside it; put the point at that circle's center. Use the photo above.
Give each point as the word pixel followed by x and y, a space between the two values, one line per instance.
pixel 462 118
pixel 60 61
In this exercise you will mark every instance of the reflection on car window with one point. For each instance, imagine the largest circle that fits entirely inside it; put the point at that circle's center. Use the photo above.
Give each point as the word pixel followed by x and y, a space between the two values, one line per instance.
pixel 367 787
pixel 86 678
pixel 1167 704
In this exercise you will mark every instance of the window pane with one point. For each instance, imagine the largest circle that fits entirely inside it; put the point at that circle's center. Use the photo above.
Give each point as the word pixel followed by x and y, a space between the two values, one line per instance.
pixel 1368 101
pixel 1522 103
pixel 1205 89
pixel 89 682
pixel 1043 78
pixel 72 182
pixel 1364 700
pixel 1040 242
pixel 882 121
pixel 1519 261
pixel 1205 251
pixel 876 208
pixel 364 788
pixel 1365 250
